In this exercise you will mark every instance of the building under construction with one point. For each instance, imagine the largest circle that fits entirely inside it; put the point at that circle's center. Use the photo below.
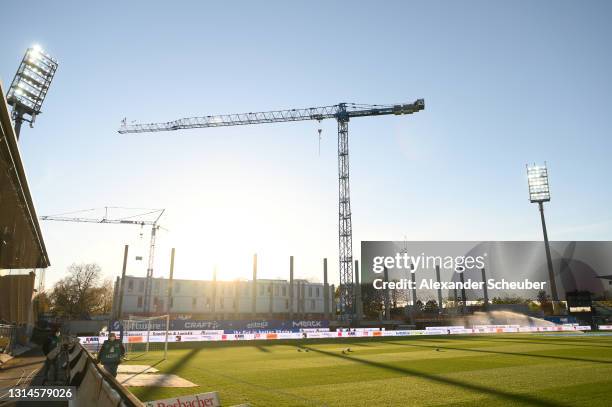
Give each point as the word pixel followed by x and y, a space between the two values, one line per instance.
pixel 200 299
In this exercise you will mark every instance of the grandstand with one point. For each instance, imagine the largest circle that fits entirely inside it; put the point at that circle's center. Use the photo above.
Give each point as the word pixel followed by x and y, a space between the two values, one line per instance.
pixel 22 247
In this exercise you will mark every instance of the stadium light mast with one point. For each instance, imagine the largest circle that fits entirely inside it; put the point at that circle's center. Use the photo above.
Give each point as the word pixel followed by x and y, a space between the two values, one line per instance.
pixel 30 86
pixel 539 192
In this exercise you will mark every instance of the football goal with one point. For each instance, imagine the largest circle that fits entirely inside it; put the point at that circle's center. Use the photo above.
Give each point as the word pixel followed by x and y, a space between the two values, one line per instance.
pixel 144 335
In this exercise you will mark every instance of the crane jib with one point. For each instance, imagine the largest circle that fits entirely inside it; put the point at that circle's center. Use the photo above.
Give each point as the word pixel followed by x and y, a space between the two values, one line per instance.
pixel 341 112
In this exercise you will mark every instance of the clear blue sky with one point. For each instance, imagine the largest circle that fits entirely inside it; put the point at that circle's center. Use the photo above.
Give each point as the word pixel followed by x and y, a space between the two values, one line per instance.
pixel 505 83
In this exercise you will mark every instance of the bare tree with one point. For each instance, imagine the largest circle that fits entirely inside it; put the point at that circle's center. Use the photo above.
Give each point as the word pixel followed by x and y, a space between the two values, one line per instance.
pixel 78 294
pixel 104 294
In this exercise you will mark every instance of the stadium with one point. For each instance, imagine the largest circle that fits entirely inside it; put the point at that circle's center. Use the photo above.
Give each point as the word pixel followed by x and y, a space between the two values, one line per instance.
pixel 181 226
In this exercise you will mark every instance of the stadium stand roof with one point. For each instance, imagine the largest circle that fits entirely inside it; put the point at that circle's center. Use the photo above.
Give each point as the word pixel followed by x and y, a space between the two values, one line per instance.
pixel 21 241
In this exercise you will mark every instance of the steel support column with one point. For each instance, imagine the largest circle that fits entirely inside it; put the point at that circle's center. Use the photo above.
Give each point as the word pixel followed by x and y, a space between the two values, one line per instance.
pixel 149 281
pixel 551 273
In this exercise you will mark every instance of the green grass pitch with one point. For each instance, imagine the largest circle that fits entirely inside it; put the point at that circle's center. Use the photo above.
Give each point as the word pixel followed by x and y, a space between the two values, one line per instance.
pixel 484 370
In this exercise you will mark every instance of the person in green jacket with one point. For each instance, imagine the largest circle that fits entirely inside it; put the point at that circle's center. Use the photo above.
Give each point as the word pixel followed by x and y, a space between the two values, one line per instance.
pixel 110 354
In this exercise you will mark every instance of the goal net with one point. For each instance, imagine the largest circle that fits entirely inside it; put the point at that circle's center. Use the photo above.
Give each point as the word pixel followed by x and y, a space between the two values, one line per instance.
pixel 143 335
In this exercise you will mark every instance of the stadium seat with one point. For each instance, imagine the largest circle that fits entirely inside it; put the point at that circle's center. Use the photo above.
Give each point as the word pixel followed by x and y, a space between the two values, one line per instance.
pixel 89 390
pixel 108 397
pixel 77 370
pixel 74 354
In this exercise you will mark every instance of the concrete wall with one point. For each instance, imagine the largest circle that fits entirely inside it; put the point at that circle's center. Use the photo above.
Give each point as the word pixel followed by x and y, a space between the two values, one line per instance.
pixel 82 327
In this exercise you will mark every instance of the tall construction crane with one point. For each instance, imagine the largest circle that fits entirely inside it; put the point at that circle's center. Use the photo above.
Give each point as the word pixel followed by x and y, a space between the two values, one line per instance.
pixel 342 112
pixel 129 220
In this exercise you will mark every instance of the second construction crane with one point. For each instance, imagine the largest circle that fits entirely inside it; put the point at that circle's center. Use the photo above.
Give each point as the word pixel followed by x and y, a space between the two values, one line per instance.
pixel 130 220
pixel 342 112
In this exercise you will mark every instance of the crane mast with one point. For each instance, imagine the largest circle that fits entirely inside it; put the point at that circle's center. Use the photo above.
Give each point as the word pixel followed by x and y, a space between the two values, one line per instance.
pixel 342 112
pixel 345 223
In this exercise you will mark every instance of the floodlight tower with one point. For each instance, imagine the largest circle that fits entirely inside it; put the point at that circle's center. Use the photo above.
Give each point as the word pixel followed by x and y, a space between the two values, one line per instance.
pixel 539 192
pixel 30 86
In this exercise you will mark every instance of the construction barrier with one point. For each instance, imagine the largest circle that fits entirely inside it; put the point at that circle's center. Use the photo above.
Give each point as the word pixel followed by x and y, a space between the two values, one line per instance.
pixel 95 386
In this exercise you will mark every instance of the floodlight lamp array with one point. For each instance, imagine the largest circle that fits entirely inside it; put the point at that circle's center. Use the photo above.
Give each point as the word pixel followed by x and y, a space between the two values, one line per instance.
pixel 31 83
pixel 537 178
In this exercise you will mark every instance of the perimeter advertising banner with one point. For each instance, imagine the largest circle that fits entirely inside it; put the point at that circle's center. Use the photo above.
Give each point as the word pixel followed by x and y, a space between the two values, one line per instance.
pixel 230 326
pixel 210 399
pixel 502 268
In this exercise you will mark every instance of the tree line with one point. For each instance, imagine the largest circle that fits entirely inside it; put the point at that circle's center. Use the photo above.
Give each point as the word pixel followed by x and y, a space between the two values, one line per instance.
pixel 83 293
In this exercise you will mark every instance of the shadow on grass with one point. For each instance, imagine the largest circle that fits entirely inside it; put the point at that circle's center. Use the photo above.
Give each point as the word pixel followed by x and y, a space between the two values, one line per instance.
pixel 427 339
pixel 264 389
pixel 262 348
pixel 531 355
pixel 366 341
pixel 172 368
pixel 359 341
pixel 522 398
pixel 363 345
pixel 561 342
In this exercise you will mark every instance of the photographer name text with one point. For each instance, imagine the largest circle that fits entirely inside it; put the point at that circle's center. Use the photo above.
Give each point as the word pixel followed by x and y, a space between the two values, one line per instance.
pixel 469 284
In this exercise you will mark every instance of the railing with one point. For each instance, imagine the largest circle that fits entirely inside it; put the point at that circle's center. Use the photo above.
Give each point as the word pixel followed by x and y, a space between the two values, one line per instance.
pixel 8 338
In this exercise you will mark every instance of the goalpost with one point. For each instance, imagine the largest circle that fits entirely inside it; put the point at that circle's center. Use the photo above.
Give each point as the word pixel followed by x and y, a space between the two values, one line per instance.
pixel 142 335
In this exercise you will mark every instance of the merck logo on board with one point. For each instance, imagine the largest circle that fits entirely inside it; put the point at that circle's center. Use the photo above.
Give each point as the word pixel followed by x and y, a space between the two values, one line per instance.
pixel 307 324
